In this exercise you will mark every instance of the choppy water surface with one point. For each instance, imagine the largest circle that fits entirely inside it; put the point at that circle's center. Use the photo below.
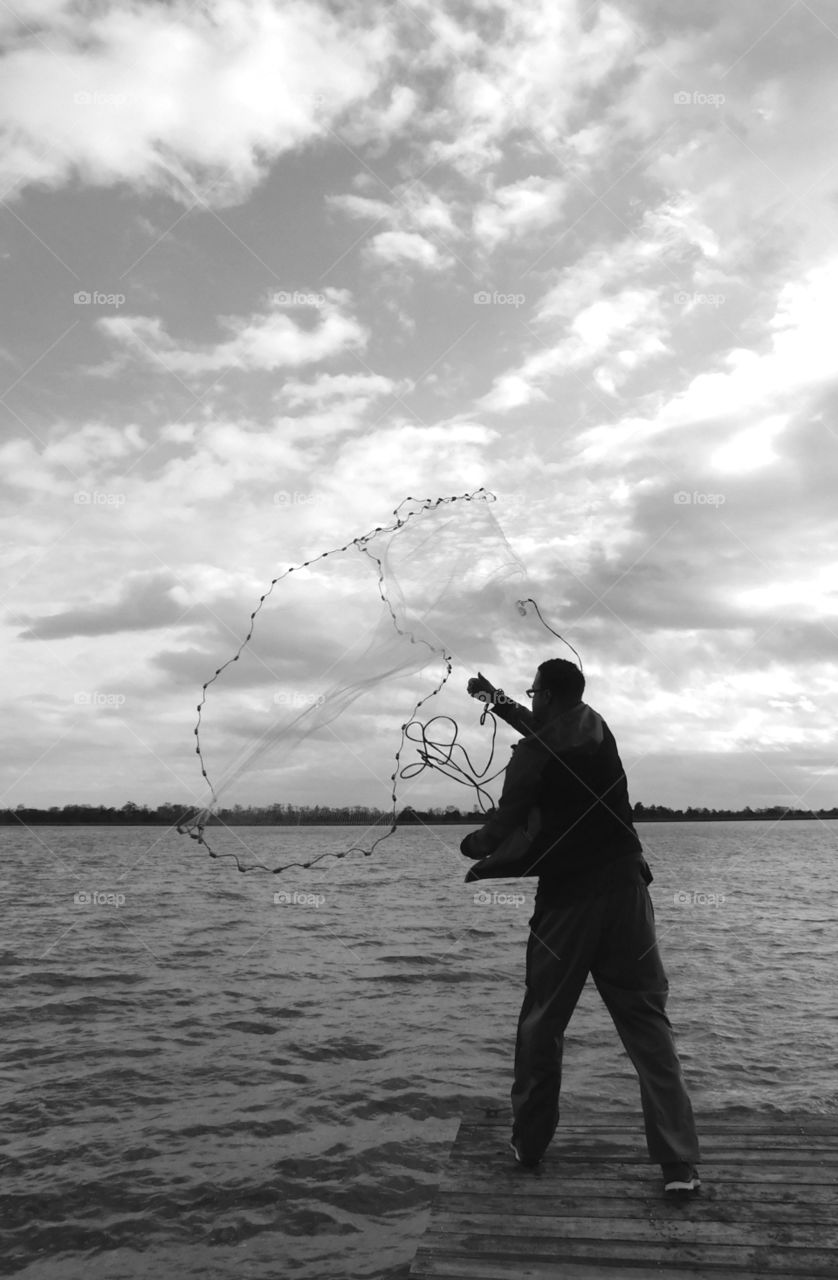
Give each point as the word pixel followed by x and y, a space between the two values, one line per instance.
pixel 202 1082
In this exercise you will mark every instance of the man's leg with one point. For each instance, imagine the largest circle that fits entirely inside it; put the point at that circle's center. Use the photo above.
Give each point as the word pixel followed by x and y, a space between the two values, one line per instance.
pixel 561 946
pixel 630 977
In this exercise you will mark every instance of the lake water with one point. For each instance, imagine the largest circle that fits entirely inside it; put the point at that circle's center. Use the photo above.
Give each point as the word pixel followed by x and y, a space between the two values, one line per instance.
pixel 202 1082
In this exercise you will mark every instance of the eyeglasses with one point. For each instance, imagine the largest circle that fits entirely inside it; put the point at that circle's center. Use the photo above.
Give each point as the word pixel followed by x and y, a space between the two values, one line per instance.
pixel 532 692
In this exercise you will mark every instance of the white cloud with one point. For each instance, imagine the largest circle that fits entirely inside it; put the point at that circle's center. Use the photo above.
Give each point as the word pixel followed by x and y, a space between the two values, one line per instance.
pixel 407 246
pixel 414 208
pixel 511 391
pixel 21 465
pixel 752 448
pixel 401 459
pixel 70 455
pixel 226 458
pixel 608 295
pixel 517 209
pixel 801 358
pixel 633 315
pixel 180 96
pixel 677 224
pixel 415 214
pixel 666 240
pixel 361 206
pixel 429 211
pixel 544 58
pixel 343 386
pixel 374 122
pixel 269 341
pixel 598 325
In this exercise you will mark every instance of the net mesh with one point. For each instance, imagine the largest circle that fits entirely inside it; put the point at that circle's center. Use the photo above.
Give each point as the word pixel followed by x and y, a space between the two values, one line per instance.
pixel 346 654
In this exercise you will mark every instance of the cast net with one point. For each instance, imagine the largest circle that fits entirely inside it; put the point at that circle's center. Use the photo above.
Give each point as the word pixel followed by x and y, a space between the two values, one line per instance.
pixel 350 682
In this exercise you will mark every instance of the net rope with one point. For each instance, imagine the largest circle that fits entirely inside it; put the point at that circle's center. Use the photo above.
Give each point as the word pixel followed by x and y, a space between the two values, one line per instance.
pixel 455 559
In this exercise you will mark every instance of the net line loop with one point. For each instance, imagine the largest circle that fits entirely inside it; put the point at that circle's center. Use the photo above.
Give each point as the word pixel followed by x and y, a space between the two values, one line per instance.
pixel 444 762
pixel 439 755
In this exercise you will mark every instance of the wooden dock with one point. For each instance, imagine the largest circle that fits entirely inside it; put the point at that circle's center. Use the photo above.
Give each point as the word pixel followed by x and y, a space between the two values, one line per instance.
pixel 595 1206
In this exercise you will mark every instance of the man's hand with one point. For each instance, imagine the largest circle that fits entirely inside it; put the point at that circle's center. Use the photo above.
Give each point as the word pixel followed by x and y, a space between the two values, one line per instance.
pixel 475 846
pixel 479 687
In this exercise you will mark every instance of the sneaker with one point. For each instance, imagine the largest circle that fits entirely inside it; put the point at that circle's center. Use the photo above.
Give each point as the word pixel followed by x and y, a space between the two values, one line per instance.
pixel 680 1177
pixel 528 1164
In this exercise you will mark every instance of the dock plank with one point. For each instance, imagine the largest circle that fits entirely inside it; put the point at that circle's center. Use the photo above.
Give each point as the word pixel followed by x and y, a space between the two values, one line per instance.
pixel 488 1269
pixel 589 1198
pixel 595 1207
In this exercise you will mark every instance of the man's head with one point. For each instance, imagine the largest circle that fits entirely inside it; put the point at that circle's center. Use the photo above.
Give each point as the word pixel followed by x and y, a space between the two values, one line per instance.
pixel 558 686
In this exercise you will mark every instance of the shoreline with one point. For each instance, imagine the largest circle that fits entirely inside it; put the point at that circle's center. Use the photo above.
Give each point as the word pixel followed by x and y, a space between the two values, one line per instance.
pixel 421 820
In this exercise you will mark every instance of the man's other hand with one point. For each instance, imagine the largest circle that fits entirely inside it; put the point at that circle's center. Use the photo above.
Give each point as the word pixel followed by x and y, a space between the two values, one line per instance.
pixel 474 845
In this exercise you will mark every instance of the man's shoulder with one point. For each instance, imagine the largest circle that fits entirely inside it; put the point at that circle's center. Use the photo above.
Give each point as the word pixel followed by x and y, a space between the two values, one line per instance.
pixel 581 730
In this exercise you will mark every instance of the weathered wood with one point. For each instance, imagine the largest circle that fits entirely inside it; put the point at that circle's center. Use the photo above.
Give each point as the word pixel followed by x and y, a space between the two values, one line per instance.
pixel 615 1168
pixel 511 1226
pixel 595 1207
pixel 442 1268
pixel 589 1197
pixel 759 1261
pixel 719 1122
pixel 721 1146
pixel 710 1131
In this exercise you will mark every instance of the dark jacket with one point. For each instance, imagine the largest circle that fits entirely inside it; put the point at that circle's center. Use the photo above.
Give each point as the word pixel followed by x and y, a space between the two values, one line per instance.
pixel 564 813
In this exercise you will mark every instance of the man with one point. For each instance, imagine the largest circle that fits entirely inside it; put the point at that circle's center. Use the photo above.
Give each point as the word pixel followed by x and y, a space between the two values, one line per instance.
pixel 564 815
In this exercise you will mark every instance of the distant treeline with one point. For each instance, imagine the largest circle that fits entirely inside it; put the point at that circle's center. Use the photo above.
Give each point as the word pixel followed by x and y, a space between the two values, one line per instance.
pixel 285 815
pixel 660 813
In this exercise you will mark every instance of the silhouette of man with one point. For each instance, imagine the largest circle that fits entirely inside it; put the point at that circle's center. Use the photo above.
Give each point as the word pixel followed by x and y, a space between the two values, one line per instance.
pixel 564 815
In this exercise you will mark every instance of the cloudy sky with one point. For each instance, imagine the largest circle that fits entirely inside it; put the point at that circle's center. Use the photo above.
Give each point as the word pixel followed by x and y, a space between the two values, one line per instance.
pixel 268 268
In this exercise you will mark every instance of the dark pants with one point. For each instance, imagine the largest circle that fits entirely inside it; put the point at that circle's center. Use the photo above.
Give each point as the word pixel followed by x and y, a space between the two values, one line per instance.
pixel 611 936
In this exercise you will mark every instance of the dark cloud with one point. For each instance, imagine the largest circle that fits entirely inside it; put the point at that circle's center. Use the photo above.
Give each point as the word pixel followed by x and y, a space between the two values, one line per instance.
pixel 144 603
pixel 258 665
